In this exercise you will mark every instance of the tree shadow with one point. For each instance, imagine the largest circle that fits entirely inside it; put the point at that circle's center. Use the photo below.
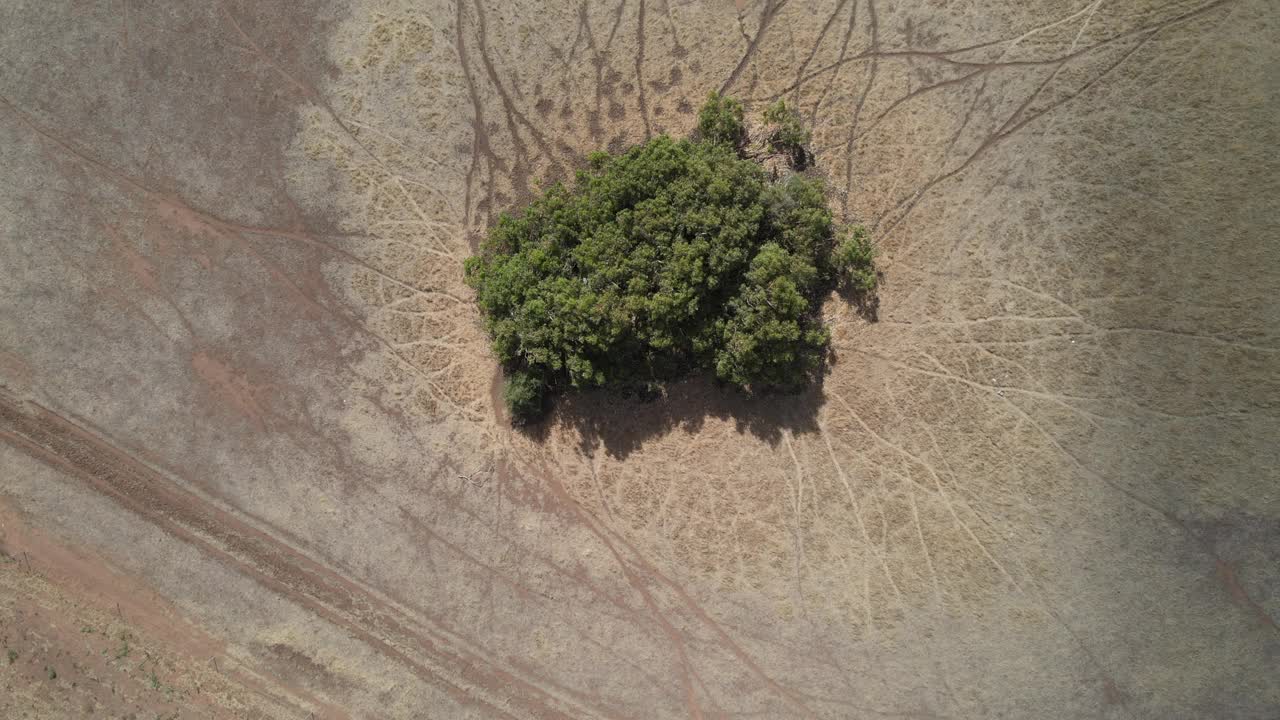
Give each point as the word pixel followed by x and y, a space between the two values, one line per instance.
pixel 621 422
pixel 865 302
pixel 620 425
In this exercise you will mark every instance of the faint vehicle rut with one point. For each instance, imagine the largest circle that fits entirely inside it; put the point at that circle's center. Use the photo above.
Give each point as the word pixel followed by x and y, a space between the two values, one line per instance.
pixel 464 676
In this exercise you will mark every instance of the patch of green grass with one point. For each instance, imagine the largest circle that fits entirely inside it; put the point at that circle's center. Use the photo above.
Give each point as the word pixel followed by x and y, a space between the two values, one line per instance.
pixel 13 656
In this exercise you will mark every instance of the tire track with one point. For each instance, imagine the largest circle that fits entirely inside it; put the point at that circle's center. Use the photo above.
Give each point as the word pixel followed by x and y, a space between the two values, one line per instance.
pixel 644 105
pixel 480 141
pixel 467 678
pixel 767 15
pixel 844 50
pixel 874 29
pixel 817 45
pixel 644 577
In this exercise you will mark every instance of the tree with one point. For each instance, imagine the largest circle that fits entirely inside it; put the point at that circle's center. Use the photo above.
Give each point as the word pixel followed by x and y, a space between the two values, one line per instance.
pixel 523 394
pixel 720 120
pixel 856 259
pixel 672 257
pixel 786 134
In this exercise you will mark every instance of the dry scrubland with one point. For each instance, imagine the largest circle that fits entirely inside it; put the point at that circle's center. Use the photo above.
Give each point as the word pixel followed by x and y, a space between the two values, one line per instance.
pixel 249 417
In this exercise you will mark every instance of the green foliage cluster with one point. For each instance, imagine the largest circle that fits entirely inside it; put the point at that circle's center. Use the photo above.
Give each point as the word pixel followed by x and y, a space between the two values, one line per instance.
pixel 721 120
pixel 856 259
pixel 675 256
pixel 524 394
pixel 787 133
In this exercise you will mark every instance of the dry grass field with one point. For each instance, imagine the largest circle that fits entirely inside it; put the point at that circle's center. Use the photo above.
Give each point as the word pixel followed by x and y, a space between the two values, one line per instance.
pixel 254 464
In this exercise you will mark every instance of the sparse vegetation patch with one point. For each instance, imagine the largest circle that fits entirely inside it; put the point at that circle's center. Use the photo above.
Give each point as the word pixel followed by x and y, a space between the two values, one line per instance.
pixel 673 257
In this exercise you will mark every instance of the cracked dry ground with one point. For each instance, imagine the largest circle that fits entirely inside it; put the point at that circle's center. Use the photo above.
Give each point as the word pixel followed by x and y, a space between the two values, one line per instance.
pixel 252 464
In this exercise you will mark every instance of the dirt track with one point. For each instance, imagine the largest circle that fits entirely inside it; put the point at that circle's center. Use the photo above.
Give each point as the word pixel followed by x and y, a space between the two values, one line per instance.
pixel 252 464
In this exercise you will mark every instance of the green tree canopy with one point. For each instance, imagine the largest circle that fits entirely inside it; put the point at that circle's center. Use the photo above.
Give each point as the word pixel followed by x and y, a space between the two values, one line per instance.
pixel 673 257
